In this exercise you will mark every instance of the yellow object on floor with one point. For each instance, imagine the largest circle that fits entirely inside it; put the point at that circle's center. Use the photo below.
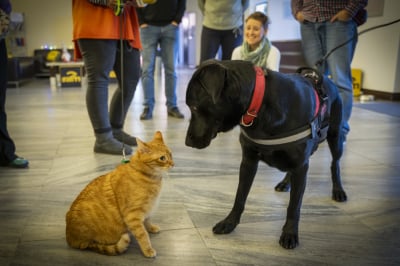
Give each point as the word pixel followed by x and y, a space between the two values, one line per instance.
pixel 357 81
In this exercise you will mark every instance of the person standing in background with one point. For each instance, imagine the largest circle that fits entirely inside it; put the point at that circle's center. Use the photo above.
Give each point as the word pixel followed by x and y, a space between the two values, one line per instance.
pixel 8 157
pixel 96 36
pixel 256 47
pixel 159 29
pixel 222 27
pixel 324 25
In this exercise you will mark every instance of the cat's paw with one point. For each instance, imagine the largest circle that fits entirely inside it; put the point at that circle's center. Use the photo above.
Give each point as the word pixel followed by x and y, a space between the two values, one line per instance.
pixel 150 253
pixel 154 229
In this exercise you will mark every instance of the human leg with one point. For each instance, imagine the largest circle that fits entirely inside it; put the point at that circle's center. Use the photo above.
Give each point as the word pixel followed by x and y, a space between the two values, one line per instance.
pixel 149 36
pixel 123 95
pixel 230 40
pixel 99 57
pixel 339 63
pixel 169 49
pixel 7 146
pixel 313 44
pixel 210 42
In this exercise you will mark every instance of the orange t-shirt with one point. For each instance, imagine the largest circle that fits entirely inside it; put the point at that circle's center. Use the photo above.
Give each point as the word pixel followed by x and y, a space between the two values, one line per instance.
pixel 98 22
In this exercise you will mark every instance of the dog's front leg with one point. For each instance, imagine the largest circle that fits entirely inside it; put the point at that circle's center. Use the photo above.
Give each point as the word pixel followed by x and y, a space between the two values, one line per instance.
pixel 289 238
pixel 248 170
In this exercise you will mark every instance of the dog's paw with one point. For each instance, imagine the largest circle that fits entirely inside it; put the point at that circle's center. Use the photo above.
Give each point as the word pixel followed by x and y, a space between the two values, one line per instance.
pixel 289 241
pixel 224 227
pixel 282 187
pixel 339 195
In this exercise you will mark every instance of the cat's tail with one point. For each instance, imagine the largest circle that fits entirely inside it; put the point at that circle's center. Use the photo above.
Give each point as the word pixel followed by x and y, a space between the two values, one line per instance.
pixel 114 249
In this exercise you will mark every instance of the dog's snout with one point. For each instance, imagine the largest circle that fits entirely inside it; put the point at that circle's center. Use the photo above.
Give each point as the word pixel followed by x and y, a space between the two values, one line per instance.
pixel 189 140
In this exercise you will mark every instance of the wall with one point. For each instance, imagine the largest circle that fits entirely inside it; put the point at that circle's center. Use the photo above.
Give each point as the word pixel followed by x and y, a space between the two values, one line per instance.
pixel 47 22
pixel 377 53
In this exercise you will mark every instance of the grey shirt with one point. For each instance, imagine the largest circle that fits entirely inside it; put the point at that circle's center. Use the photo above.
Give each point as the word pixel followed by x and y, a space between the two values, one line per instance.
pixel 223 14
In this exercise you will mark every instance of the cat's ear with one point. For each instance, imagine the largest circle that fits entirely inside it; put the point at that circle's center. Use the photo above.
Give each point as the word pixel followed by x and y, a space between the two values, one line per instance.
pixel 158 136
pixel 142 147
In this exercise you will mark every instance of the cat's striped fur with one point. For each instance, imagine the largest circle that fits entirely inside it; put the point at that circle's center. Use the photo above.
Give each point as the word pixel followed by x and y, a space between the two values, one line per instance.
pixel 120 202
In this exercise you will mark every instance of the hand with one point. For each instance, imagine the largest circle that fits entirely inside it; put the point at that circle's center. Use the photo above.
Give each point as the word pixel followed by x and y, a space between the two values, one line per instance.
pixel 111 3
pixel 342 15
pixel 300 17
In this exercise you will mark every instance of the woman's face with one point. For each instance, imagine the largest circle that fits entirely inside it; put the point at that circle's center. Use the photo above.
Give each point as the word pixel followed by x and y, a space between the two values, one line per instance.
pixel 253 33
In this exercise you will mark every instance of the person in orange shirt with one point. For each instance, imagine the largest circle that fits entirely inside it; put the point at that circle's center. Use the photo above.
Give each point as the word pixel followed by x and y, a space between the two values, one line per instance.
pixel 97 31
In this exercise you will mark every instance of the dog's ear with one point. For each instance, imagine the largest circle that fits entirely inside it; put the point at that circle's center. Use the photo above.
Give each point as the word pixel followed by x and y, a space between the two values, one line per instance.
pixel 213 79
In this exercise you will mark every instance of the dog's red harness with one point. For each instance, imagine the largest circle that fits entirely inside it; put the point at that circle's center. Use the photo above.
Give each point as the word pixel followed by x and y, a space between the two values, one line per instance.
pixel 299 134
pixel 256 101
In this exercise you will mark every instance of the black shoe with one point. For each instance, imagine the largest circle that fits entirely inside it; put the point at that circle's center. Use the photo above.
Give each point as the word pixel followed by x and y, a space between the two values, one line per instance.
pixel 147 114
pixel 174 112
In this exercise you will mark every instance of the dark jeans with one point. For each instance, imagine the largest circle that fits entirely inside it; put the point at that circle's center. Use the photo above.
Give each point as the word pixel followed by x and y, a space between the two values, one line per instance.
pixel 100 57
pixel 211 40
pixel 7 146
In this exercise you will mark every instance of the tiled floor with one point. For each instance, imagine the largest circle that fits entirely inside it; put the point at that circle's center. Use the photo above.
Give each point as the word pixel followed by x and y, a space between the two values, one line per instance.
pixel 52 129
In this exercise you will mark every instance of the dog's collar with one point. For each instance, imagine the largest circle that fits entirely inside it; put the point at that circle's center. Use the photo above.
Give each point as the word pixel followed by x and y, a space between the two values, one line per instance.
pixel 256 100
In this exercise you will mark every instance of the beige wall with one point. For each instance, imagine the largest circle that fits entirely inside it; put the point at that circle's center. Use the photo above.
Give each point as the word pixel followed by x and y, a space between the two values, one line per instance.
pixel 378 51
pixel 47 22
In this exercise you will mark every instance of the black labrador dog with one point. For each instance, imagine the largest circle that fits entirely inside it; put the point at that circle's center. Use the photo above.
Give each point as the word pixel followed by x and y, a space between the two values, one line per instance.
pixel 291 116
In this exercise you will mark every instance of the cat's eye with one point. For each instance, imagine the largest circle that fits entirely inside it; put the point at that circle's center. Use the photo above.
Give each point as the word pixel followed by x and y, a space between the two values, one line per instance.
pixel 163 158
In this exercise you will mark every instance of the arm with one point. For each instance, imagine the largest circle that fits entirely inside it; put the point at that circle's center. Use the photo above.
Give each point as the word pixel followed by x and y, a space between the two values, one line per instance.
pixel 355 5
pixel 296 6
pixel 106 3
pixel 112 3
pixel 350 10
pixel 236 53
pixel 180 11
pixel 274 59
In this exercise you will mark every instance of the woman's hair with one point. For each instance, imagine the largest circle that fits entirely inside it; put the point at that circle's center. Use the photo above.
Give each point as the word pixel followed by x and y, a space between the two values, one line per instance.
pixel 260 17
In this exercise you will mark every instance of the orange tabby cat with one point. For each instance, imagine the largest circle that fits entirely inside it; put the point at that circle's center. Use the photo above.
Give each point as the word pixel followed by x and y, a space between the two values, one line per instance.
pixel 120 202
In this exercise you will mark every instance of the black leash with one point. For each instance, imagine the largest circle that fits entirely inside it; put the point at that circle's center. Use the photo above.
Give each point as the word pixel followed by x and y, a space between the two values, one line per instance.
pixel 319 62
pixel 119 11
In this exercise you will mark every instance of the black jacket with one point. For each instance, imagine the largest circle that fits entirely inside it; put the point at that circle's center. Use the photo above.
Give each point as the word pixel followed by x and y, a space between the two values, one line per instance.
pixel 162 13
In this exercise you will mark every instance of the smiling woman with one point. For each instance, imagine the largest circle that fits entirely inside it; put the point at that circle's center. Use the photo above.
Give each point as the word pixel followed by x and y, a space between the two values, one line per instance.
pixel 256 47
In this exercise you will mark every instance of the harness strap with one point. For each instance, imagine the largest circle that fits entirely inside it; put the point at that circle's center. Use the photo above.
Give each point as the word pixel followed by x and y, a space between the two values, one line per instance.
pixel 310 130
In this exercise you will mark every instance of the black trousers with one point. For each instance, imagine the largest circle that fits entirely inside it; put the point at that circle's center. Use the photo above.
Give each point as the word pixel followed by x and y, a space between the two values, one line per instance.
pixel 7 146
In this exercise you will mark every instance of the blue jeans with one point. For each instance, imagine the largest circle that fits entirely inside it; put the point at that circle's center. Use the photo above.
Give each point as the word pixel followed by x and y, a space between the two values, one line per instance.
pixel 100 57
pixel 167 38
pixel 320 38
